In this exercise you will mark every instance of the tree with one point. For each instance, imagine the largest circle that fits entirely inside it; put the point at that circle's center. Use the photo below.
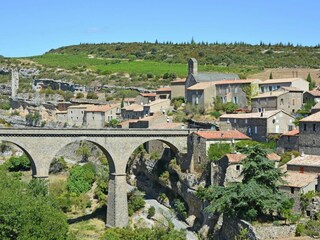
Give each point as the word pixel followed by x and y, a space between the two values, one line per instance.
pixel 270 76
pixel 28 216
pixel 92 95
pixel 312 83
pixel 256 196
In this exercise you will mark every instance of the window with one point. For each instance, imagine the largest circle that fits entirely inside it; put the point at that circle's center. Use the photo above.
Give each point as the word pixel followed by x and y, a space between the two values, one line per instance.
pixel 197 100
pixel 235 120
pixel 235 90
pixel 304 127
pixel 235 100
pixel 199 159
pixel 292 190
pixel 301 169
pixel 281 101
pixel 270 88
pixel 314 127
pixel 238 167
pixel 249 131
pixel 255 129
pixel 293 102
pixel 288 138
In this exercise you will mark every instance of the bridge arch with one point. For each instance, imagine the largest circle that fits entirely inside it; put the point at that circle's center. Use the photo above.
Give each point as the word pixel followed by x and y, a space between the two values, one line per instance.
pixel 26 152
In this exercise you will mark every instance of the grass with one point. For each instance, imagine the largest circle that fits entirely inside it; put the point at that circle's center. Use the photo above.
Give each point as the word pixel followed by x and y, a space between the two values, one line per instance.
pixel 107 66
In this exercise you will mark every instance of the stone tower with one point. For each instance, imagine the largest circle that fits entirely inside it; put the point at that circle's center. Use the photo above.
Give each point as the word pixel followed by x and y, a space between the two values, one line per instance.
pixel 192 66
pixel 14 82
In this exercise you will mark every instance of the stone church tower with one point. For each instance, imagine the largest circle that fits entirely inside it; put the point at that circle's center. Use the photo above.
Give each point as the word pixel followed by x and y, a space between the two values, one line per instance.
pixel 14 82
pixel 192 66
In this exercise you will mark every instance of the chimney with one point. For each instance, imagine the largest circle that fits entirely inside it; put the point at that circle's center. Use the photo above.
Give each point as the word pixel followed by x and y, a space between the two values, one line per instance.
pixel 192 66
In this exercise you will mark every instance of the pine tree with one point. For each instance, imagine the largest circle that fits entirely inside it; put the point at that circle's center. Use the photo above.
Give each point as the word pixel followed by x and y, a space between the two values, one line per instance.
pixel 270 76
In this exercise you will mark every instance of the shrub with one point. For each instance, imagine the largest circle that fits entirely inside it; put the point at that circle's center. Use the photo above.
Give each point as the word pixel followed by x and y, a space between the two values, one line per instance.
pixel 151 212
pixel 21 163
pixel 135 202
pixel 81 178
pixel 287 156
pixel 164 177
pixel 92 95
pixel 218 150
pixel 155 156
pixel 80 95
pixel 215 114
pixel 180 209
pixel 58 165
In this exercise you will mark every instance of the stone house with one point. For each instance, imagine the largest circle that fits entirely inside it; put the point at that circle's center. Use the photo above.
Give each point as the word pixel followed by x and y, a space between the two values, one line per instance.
pixel 311 96
pixel 75 114
pixel 137 111
pixel 97 116
pixel 201 141
pixel 145 98
pixel 164 93
pixel 62 116
pixel 178 88
pixel 309 136
pixel 195 77
pixel 258 125
pixel 204 94
pixel 288 141
pixel 288 99
pixel 229 168
pixel 201 95
pixel 274 84
pixel 315 108
pixel 301 176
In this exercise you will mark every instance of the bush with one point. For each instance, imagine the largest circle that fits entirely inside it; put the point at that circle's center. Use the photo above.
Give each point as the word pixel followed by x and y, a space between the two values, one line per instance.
pixel 21 163
pixel 215 114
pixel 311 228
pixel 80 95
pixel 81 178
pixel 164 177
pixel 287 156
pixel 58 165
pixel 92 95
pixel 180 209
pixel 135 203
pixel 151 212
pixel 218 150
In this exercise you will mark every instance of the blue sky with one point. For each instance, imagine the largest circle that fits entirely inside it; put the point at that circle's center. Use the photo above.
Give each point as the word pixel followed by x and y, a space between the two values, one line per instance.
pixel 35 26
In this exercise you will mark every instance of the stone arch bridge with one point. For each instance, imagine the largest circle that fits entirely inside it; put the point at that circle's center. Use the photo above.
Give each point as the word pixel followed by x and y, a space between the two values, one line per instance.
pixel 42 145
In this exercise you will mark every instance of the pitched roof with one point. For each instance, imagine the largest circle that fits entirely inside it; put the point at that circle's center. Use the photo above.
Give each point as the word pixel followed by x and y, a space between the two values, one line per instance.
pixel 280 80
pixel 179 80
pixel 148 94
pixel 312 118
pixel 164 89
pixel 297 179
pixel 238 157
pixel 273 157
pixel 209 77
pixel 233 81
pixel 265 114
pixel 200 86
pixel 306 160
pixel 315 93
pixel 292 89
pixel 231 134
pixel 317 106
pixel 133 107
pixel 293 132
pixel 157 101
pixel 84 106
pixel 269 94
pixel 235 157
pixel 101 108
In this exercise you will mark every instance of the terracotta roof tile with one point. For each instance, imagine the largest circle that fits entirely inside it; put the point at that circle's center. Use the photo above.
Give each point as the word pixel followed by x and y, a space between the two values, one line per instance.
pixel 280 80
pixel 269 94
pixel 297 179
pixel 293 132
pixel 273 157
pixel 164 89
pixel 201 86
pixel 180 80
pixel 266 114
pixel 306 160
pixel 314 93
pixel 235 157
pixel 234 81
pixel 312 118
pixel 101 108
pixel 232 134
pixel 148 94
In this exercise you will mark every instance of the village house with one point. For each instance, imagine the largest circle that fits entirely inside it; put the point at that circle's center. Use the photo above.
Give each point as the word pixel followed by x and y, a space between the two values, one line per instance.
pixel 288 99
pixel 229 168
pixel 275 84
pixel 75 115
pixel 309 136
pixel 201 141
pixel 301 176
pixel 164 93
pixel 178 88
pixel 145 98
pixel 311 96
pixel 258 125
pixel 315 108
pixel 97 116
pixel 136 111
pixel 195 77
pixel 201 95
pixel 288 141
